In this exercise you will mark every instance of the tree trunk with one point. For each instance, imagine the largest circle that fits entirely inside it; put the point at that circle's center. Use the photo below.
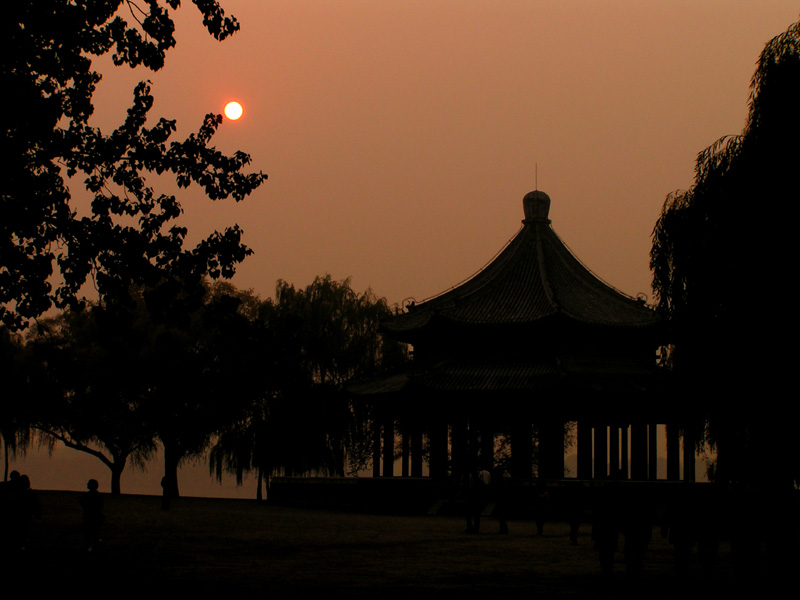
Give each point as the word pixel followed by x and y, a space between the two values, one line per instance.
pixel 116 475
pixel 169 484
pixel 259 492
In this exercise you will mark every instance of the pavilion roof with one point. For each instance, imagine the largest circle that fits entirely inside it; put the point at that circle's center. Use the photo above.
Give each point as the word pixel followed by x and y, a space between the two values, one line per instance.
pixel 534 278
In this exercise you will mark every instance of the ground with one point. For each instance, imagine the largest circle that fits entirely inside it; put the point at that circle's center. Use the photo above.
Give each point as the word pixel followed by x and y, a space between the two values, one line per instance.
pixel 227 546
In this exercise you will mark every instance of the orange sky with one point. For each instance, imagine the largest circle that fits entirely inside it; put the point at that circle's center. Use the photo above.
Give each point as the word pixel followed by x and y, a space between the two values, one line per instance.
pixel 400 137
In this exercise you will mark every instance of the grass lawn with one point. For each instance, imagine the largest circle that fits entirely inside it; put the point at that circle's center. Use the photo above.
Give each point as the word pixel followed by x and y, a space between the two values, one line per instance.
pixel 213 546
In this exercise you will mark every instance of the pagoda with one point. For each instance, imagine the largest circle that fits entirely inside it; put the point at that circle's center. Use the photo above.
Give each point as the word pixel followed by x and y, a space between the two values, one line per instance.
pixel 532 348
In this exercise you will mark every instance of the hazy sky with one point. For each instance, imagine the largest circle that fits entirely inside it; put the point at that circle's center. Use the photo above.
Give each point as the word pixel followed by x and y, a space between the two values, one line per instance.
pixel 400 136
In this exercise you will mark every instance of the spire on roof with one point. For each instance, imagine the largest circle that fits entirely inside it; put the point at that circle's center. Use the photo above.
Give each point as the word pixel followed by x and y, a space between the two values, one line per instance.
pixel 537 207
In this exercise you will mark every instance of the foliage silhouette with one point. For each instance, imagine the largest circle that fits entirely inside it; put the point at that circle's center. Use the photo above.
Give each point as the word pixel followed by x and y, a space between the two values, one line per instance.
pixel 175 366
pixel 320 337
pixel 715 258
pixel 48 250
pixel 87 388
pixel 14 416
pixel 205 374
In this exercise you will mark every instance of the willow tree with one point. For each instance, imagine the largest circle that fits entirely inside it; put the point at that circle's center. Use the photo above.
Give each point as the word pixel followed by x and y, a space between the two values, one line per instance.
pixel 722 253
pixel 334 331
pixel 88 386
pixel 116 380
pixel 14 411
pixel 319 338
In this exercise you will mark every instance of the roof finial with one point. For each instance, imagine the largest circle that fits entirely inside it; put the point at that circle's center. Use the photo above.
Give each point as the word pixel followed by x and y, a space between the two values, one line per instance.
pixel 536 205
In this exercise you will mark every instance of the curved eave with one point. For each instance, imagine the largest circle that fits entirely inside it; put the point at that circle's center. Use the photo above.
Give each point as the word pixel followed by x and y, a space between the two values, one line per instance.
pixel 534 278
pixel 478 375
pixel 592 385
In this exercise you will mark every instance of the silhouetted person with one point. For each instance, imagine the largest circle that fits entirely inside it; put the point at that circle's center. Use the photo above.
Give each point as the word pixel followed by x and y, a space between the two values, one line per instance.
pixel 92 505
pixel 748 509
pixel 541 505
pixel 680 528
pixel 781 534
pixel 713 513
pixel 8 507
pixel 7 486
pixel 474 493
pixel 467 494
pixel 500 494
pixel 637 529
pixel 605 528
pixel 574 509
pixel 483 482
pixel 24 506
pixel 7 490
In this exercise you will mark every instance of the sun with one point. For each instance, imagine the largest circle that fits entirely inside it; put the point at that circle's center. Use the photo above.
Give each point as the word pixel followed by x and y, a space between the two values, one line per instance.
pixel 233 110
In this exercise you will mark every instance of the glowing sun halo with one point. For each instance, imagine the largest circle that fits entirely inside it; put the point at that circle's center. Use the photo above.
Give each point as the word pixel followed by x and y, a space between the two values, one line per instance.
pixel 233 110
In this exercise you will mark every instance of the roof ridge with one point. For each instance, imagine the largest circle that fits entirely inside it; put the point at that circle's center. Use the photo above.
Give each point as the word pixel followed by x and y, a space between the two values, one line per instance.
pixel 548 289
pixel 476 273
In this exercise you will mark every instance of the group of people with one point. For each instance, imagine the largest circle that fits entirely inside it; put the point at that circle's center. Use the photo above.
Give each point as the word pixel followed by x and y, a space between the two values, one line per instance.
pixel 19 506
pixel 622 519
pixel 613 515
pixel 481 487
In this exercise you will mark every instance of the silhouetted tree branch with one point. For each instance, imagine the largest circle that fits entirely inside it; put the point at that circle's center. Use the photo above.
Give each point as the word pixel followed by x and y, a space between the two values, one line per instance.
pixel 48 250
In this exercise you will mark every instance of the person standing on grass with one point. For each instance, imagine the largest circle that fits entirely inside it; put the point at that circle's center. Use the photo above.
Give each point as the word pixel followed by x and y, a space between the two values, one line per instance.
pixel 92 505
pixel 468 498
pixel 541 506
pixel 500 494
pixel 574 509
pixel 605 532
pixel 24 507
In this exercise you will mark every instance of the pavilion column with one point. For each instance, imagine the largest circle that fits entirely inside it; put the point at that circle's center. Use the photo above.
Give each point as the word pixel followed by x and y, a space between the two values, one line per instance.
pixel 688 454
pixel 416 450
pixel 459 443
pixel 623 459
pixel 600 452
pixel 639 451
pixel 388 446
pixel 376 447
pixel 487 447
pixel 521 446
pixel 584 450
pixel 652 453
pixel 613 452
pixel 558 449
pixel 438 440
pixel 551 449
pixel 406 452
pixel 673 452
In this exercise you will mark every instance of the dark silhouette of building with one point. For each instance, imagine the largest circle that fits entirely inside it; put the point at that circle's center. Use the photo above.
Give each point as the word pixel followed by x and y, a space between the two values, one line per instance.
pixel 531 343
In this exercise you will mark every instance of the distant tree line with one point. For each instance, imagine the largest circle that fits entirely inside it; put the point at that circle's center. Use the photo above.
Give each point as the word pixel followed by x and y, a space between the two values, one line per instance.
pixel 163 358
pixel 258 385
